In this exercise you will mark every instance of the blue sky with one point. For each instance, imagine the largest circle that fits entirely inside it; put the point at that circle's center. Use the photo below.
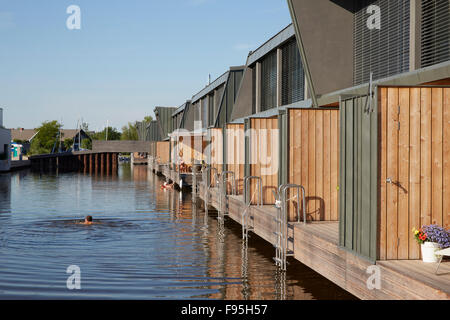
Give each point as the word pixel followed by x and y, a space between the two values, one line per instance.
pixel 128 57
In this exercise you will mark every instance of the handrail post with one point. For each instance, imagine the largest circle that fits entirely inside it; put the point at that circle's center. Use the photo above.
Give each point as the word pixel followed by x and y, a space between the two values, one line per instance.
pixel 247 191
pixel 282 221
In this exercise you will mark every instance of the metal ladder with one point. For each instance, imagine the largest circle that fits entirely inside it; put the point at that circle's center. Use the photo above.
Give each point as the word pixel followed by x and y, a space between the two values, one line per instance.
pixel 281 246
pixel 206 182
pixel 245 215
pixel 195 172
pixel 223 191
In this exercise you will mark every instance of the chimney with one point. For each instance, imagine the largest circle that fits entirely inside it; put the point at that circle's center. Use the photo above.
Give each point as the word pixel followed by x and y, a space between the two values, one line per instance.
pixel 1 117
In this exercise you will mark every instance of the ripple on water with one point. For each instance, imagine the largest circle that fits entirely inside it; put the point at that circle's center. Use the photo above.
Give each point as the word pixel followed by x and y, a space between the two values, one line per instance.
pixel 145 244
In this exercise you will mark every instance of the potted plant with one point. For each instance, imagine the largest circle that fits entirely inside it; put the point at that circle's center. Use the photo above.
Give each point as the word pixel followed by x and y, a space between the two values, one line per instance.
pixel 432 238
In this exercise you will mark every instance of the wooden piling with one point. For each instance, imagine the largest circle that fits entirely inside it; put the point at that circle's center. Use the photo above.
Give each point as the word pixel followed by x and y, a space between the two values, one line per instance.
pixel 96 157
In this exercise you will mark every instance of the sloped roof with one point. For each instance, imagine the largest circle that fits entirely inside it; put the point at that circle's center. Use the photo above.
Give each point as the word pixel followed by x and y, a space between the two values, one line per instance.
pixel 22 134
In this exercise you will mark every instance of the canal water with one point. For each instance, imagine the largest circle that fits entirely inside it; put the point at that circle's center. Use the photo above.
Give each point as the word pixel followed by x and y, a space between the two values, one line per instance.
pixel 146 244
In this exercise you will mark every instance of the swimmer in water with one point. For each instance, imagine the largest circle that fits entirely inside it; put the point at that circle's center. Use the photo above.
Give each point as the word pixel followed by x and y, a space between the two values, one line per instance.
pixel 87 220
pixel 167 186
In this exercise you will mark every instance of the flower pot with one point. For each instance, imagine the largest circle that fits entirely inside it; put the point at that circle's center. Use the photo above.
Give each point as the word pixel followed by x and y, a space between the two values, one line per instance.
pixel 428 252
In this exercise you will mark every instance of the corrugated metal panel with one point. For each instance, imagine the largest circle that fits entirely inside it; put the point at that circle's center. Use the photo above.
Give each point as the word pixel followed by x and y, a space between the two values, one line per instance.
pixel 212 110
pixel 230 93
pixel 384 52
pixel 153 132
pixel 293 75
pixel 269 81
pixel 358 190
pixel 141 128
pixel 164 118
pixel 435 32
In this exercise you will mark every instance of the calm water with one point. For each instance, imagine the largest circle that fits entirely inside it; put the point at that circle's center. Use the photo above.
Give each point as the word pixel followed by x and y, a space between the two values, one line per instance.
pixel 148 244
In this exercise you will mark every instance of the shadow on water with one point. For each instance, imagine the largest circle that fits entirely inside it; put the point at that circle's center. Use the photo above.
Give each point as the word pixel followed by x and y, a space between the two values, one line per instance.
pixel 145 244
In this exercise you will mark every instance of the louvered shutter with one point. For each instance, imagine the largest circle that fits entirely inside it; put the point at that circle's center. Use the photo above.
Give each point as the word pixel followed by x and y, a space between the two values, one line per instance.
pixel 269 81
pixel 384 52
pixel 435 32
pixel 293 76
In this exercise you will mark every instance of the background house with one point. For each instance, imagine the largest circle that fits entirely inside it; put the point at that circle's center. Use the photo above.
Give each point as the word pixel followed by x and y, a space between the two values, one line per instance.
pixel 5 146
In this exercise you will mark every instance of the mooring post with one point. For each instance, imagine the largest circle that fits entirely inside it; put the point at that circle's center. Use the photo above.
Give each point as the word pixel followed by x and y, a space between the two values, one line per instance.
pixel 96 162
pixel 102 162
pixel 85 163
pixel 108 162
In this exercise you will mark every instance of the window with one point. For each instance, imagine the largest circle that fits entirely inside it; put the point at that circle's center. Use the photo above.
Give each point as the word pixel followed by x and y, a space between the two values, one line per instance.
pixel 435 32
pixel 384 52
pixel 293 75
pixel 269 81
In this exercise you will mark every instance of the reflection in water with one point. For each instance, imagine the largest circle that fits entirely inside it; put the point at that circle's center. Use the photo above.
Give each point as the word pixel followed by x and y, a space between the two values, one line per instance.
pixel 147 244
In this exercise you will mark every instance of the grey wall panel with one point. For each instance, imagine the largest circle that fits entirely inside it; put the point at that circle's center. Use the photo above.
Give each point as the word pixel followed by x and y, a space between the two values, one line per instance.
pixel 358 191
pixel 164 118
pixel 283 147
pixel 189 117
pixel 326 31
pixel 243 104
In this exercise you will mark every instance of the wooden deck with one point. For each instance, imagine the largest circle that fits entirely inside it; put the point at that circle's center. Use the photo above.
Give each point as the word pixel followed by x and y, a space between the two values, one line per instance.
pixel 316 245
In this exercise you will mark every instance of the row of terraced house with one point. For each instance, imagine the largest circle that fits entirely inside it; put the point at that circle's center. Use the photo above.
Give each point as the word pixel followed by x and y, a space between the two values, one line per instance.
pixel 343 117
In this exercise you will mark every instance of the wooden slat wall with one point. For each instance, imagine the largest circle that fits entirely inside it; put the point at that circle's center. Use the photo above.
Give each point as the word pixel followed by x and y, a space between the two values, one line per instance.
pixel 192 148
pixel 264 155
pixel 216 149
pixel 163 151
pixel 414 152
pixel 314 160
pixel 235 153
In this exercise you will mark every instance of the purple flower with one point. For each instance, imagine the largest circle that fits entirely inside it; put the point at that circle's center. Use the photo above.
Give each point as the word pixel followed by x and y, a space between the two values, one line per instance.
pixel 438 235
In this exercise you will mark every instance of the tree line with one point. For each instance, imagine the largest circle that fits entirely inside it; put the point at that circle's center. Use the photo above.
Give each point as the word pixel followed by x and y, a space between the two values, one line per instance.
pixel 50 139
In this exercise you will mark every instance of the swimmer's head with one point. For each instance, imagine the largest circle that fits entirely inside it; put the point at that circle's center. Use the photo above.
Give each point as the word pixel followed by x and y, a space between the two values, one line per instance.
pixel 88 219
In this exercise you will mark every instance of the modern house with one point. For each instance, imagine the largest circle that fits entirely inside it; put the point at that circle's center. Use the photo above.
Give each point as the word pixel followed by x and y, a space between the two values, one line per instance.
pixel 352 103
pixel 26 136
pixel 5 146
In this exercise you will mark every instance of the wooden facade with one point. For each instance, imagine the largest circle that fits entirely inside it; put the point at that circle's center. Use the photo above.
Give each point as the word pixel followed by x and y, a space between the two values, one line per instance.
pixel 188 149
pixel 314 160
pixel 215 154
pixel 264 157
pixel 235 153
pixel 162 152
pixel 415 156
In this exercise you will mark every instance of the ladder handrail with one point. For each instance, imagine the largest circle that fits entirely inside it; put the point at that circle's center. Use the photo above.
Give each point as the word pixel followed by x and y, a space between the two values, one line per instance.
pixel 284 188
pixel 259 186
pixel 222 177
pixel 208 170
pixel 282 221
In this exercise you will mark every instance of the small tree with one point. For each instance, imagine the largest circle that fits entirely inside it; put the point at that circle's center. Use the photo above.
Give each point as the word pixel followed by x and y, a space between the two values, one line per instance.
pixel 112 133
pixel 86 144
pixel 129 132
pixel 46 138
pixel 68 143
